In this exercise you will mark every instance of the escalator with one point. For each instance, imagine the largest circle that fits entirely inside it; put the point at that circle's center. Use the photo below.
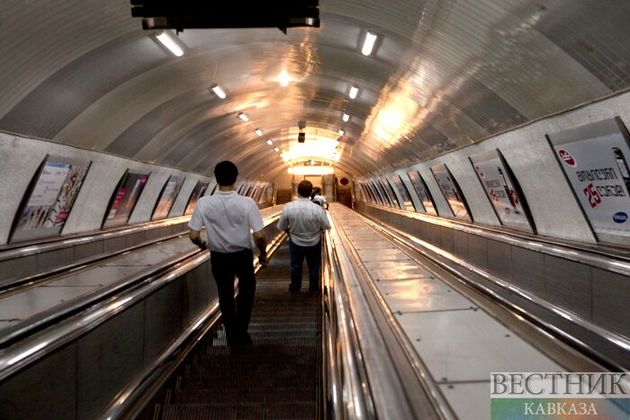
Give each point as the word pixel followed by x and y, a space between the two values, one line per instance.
pixel 278 377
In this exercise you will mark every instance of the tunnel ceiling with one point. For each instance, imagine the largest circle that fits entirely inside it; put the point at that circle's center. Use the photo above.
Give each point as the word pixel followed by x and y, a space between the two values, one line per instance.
pixel 443 74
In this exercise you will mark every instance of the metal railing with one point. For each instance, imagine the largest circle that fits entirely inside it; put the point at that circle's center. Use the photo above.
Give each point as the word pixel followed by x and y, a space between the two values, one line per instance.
pixel 610 259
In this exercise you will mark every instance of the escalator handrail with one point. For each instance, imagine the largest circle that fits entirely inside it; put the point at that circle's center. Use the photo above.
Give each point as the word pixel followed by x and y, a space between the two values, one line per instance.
pixel 41 344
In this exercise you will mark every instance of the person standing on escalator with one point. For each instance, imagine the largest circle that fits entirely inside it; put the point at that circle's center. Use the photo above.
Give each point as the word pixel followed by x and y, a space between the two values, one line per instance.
pixel 229 220
pixel 304 221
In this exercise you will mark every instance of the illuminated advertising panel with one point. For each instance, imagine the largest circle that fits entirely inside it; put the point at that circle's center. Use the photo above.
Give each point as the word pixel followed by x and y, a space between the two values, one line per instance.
pixel 51 194
pixel 404 192
pixel 197 192
pixel 451 191
pixel 596 160
pixel 167 197
pixel 502 189
pixel 125 198
pixel 422 191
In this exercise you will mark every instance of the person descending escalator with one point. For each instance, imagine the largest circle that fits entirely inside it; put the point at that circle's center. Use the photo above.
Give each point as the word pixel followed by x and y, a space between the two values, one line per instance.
pixel 304 221
pixel 229 218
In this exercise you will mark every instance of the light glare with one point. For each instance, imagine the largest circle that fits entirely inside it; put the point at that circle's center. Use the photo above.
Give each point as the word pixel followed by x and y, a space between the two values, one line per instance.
pixel 368 43
pixel 166 40
pixel 258 132
pixel 341 133
pixel 311 170
pixel 269 142
pixel 345 117
pixel 243 116
pixel 283 78
pixel 353 92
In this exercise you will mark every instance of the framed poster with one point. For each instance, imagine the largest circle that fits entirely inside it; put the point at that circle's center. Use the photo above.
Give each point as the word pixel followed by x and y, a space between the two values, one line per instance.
pixel 49 198
pixel 167 197
pixel 423 192
pixel 384 197
pixel 197 193
pixel 124 199
pixel 502 190
pixel 404 192
pixel 376 193
pixel 393 198
pixel 451 191
pixel 596 161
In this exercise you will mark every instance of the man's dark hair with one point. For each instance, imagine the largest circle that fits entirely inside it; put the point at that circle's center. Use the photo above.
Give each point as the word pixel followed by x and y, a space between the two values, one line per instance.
pixel 304 188
pixel 225 173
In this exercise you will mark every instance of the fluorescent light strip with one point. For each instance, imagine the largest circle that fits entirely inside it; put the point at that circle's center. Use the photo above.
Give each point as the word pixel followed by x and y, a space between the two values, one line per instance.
pixel 368 43
pixel 166 39
pixel 243 116
pixel 341 132
pixel 275 149
pixel 269 142
pixel 258 132
pixel 218 91
pixel 354 91
pixel 345 117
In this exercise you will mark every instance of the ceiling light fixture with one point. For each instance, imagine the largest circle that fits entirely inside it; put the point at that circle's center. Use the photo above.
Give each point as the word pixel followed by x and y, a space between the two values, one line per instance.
pixel 345 117
pixel 368 43
pixel 167 40
pixel 353 92
pixel 243 116
pixel 275 149
pixel 269 142
pixel 341 132
pixel 258 132
pixel 218 90
pixel 283 78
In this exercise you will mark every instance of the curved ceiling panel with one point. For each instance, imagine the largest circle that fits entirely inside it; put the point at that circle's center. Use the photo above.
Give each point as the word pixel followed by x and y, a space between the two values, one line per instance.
pixel 443 74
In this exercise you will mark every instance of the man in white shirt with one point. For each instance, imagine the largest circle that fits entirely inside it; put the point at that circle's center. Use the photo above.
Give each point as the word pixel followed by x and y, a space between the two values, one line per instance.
pixel 229 220
pixel 304 221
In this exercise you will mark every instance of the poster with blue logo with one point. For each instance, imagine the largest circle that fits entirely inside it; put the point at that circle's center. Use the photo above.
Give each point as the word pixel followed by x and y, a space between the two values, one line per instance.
pixel 596 160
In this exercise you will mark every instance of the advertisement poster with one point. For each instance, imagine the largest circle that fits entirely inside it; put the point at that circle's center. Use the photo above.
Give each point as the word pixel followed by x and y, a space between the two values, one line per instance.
pixel 423 192
pixel 384 197
pixel 52 195
pixel 125 197
pixel 393 198
pixel 596 160
pixel 451 191
pixel 167 197
pixel 197 193
pixel 404 193
pixel 500 189
pixel 377 193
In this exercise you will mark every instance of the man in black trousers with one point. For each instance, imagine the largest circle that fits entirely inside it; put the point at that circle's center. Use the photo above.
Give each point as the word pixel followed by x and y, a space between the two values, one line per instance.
pixel 229 220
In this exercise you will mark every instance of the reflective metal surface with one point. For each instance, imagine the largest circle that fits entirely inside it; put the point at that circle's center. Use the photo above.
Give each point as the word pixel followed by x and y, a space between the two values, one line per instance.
pixel 608 259
pixel 32 348
pixel 443 74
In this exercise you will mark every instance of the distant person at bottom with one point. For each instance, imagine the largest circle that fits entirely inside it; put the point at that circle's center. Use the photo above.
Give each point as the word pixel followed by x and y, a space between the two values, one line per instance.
pixel 318 198
pixel 229 218
pixel 304 221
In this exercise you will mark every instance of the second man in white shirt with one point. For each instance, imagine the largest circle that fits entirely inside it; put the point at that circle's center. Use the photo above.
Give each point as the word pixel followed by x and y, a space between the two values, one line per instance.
pixel 304 221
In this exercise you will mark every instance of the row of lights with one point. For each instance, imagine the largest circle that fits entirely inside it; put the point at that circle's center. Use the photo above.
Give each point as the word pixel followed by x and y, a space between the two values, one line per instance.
pixel 166 39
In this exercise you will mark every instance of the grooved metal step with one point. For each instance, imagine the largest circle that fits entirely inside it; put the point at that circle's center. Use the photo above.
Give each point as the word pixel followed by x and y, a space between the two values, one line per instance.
pixel 276 378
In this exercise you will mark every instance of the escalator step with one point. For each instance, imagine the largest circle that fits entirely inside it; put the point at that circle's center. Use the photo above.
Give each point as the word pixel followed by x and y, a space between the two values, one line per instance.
pixel 277 377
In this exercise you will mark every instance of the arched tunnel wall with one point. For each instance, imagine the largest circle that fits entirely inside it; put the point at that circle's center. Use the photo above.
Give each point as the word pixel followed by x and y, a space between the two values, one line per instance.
pixel 555 211
pixel 22 156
